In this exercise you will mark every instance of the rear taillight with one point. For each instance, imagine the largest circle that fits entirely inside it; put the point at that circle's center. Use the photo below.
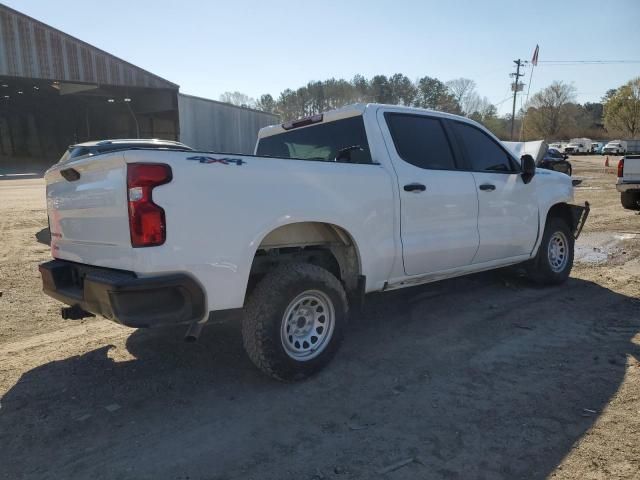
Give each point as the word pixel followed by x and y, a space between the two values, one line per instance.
pixel 621 168
pixel 146 219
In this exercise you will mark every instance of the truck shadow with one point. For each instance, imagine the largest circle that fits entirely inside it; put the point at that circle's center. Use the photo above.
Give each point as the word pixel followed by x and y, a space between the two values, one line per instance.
pixel 482 377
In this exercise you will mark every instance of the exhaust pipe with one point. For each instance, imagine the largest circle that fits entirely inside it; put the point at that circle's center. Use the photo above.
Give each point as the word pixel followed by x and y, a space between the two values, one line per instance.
pixel 193 332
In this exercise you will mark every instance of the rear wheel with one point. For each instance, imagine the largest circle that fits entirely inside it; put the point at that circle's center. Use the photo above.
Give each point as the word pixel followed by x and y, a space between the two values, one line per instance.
pixel 630 200
pixel 294 321
pixel 554 260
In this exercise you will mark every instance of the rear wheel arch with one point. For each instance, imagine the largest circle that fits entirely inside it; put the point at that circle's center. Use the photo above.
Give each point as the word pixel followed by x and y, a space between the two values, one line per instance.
pixel 319 243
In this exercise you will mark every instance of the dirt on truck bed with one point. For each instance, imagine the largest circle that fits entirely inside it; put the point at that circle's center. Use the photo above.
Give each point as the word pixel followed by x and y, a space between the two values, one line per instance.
pixel 481 377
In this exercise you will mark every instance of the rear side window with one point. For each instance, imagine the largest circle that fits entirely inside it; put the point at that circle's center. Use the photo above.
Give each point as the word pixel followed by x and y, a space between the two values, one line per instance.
pixel 420 141
pixel 323 141
pixel 482 151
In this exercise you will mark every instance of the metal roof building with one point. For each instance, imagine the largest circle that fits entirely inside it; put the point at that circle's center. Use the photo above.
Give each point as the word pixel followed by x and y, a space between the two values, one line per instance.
pixel 56 90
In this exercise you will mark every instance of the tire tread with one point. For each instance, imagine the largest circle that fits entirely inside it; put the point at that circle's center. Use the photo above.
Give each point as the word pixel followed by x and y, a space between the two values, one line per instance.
pixel 263 304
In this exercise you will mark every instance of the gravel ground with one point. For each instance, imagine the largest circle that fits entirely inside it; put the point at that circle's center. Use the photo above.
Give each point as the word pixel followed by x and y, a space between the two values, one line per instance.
pixel 480 377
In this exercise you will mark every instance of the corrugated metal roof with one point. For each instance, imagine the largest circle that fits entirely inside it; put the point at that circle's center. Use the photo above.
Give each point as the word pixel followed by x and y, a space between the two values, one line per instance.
pixel 31 49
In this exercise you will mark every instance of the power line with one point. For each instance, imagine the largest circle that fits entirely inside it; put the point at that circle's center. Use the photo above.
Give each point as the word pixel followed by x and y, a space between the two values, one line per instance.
pixel 587 62
pixel 503 100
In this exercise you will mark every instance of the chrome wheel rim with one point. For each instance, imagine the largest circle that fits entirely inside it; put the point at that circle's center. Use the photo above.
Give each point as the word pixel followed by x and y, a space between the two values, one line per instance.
pixel 558 252
pixel 307 325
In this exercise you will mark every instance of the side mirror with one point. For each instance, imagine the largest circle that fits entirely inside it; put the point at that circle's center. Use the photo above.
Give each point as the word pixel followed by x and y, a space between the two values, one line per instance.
pixel 528 168
pixel 565 156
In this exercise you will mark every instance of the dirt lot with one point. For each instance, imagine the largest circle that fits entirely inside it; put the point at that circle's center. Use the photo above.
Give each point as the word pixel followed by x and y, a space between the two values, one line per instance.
pixel 482 377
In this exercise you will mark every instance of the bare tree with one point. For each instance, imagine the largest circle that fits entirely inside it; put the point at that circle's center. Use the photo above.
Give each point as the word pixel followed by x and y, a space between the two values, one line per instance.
pixel 463 91
pixel 238 98
pixel 547 109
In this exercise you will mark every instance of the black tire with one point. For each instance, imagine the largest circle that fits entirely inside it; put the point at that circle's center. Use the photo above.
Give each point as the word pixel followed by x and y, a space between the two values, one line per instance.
pixel 630 200
pixel 540 269
pixel 264 317
pixel 570 171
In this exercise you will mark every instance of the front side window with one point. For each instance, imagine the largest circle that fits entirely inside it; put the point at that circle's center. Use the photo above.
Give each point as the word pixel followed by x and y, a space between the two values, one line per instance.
pixel 345 140
pixel 482 151
pixel 420 141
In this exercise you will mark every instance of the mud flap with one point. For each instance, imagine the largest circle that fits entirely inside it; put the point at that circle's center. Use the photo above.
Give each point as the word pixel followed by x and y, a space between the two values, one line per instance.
pixel 579 217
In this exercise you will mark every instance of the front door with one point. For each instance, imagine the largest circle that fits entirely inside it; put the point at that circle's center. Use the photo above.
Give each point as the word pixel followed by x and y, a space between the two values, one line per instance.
pixel 507 207
pixel 438 202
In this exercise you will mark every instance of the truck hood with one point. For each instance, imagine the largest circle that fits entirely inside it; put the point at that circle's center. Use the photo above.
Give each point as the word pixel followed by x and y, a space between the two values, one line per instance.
pixel 537 149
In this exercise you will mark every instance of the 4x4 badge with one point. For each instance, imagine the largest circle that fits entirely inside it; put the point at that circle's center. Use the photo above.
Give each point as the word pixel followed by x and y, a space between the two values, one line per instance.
pixel 223 160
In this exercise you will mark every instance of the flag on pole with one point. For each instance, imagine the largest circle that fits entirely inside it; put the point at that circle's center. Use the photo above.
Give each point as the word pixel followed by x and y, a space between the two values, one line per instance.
pixel 534 59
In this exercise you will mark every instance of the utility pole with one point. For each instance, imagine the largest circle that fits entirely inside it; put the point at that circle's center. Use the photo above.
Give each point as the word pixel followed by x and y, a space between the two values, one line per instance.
pixel 517 75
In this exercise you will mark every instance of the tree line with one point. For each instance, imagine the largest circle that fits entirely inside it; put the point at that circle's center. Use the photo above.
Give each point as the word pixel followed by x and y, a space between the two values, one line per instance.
pixel 554 114
pixel 551 113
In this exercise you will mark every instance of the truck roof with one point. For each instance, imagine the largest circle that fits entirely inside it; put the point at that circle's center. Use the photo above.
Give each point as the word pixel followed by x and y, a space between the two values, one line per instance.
pixel 130 141
pixel 347 111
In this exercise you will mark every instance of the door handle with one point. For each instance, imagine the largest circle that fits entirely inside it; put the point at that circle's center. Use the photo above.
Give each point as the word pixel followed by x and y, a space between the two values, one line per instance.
pixel 488 187
pixel 414 187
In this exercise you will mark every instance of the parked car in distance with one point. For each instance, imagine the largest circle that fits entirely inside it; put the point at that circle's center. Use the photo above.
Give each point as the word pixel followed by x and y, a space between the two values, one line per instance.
pixel 628 183
pixel 558 146
pixel 596 147
pixel 555 160
pixel 577 146
pixel 615 147
pixel 88 149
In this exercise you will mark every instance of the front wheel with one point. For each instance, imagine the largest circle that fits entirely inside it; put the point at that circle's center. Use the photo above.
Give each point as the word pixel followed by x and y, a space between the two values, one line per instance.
pixel 294 321
pixel 554 260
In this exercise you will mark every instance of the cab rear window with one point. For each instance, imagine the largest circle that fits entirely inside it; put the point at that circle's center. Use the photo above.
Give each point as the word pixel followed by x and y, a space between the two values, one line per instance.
pixel 342 140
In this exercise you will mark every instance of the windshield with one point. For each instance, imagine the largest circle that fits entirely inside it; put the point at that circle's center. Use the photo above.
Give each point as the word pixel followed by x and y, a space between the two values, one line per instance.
pixel 345 139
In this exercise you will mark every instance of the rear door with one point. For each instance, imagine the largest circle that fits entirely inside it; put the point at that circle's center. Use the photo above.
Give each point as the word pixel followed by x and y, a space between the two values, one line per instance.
pixel 438 202
pixel 507 207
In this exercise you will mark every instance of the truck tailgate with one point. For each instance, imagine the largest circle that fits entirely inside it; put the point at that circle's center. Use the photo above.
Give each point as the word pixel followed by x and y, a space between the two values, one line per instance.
pixel 631 171
pixel 88 212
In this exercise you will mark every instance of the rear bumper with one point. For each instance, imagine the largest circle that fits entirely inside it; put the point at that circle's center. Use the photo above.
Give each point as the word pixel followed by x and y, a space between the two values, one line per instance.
pixel 123 297
pixel 625 187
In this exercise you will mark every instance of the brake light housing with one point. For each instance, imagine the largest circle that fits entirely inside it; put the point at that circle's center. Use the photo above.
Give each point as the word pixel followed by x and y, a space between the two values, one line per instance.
pixel 147 224
pixel 621 168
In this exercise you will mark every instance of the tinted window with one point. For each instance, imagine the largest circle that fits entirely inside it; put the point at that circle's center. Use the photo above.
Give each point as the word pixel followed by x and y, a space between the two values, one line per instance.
pixel 483 152
pixel 421 141
pixel 320 142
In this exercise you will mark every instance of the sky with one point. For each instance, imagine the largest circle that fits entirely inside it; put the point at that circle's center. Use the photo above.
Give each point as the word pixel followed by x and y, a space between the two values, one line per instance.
pixel 256 47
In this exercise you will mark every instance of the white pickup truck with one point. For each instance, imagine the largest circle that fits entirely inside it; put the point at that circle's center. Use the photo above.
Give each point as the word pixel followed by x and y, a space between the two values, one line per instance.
pixel 361 199
pixel 615 147
pixel 577 146
pixel 628 183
